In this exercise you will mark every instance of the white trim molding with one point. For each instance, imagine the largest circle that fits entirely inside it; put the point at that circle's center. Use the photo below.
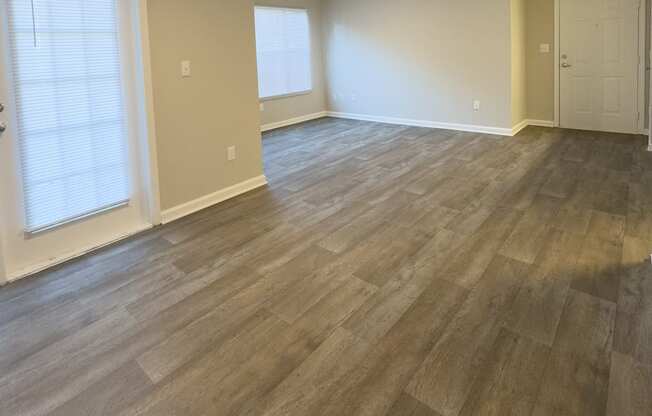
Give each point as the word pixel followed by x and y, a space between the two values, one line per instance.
pixel 167 216
pixel 3 270
pixel 292 121
pixel 520 126
pixel 39 267
pixel 530 122
pixel 471 128
pixel 640 79
pixel 206 201
pixel 500 131
pixel 557 52
pixel 541 123
pixel 149 145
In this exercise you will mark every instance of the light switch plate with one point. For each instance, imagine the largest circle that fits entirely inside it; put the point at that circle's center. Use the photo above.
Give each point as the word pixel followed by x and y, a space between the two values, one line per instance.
pixel 544 48
pixel 185 69
pixel 230 153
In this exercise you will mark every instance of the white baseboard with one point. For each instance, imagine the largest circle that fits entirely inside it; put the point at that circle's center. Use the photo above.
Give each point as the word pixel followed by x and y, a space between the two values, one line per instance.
pixel 167 216
pixel 39 267
pixel 296 120
pixel 423 123
pixel 531 122
pixel 410 122
pixel 198 204
pixel 540 123
pixel 520 126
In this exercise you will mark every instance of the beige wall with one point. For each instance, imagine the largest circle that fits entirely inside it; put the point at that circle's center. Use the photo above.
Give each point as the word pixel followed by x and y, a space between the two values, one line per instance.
pixel 197 118
pixel 519 61
pixel 540 66
pixel 419 59
pixel 282 109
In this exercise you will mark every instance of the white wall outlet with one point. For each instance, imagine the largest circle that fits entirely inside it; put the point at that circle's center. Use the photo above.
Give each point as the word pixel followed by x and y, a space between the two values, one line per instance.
pixel 476 105
pixel 544 48
pixel 185 69
pixel 354 97
pixel 262 106
pixel 230 153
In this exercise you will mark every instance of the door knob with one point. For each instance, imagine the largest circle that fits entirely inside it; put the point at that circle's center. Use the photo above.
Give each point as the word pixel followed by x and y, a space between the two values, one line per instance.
pixel 566 65
pixel 3 126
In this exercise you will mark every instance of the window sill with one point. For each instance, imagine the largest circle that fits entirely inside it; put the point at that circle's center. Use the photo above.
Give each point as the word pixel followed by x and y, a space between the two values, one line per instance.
pixel 279 97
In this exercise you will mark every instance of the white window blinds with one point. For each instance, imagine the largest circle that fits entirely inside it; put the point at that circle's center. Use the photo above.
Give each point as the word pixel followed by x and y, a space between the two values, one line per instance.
pixel 72 135
pixel 283 51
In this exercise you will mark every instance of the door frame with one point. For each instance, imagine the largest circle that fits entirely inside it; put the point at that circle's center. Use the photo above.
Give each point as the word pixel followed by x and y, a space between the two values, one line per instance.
pixel 146 137
pixel 649 109
pixel 640 78
pixel 146 117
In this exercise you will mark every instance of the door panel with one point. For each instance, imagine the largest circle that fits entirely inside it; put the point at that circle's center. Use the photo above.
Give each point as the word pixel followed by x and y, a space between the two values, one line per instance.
pixel 583 102
pixel 69 159
pixel 599 61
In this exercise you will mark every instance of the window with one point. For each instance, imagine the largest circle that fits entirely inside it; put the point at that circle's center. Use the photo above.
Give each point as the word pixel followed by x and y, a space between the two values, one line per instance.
pixel 283 51
pixel 71 120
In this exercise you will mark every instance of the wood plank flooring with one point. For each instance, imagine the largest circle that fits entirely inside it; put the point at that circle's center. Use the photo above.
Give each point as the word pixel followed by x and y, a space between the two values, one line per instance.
pixel 385 270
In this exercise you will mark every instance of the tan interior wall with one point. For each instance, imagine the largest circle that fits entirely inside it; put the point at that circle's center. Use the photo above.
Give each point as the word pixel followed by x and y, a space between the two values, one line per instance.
pixel 419 59
pixel 540 66
pixel 519 60
pixel 282 109
pixel 197 118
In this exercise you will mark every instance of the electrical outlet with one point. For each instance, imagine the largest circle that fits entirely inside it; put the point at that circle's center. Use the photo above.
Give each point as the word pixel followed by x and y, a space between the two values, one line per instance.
pixel 230 153
pixel 476 105
pixel 544 48
pixel 185 69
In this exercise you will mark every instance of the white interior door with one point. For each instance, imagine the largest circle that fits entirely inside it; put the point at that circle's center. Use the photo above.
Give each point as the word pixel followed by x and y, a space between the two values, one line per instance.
pixel 70 177
pixel 599 65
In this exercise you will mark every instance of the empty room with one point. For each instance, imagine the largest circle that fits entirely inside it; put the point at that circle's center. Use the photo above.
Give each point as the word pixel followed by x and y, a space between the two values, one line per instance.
pixel 325 208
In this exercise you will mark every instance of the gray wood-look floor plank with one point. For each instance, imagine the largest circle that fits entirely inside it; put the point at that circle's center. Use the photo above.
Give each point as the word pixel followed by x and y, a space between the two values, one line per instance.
pixel 509 382
pixel 630 387
pixel 111 395
pixel 633 322
pixel 376 383
pixel 445 378
pixel 385 270
pixel 407 405
pixel 576 377
pixel 541 299
pixel 334 358
pixel 599 268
